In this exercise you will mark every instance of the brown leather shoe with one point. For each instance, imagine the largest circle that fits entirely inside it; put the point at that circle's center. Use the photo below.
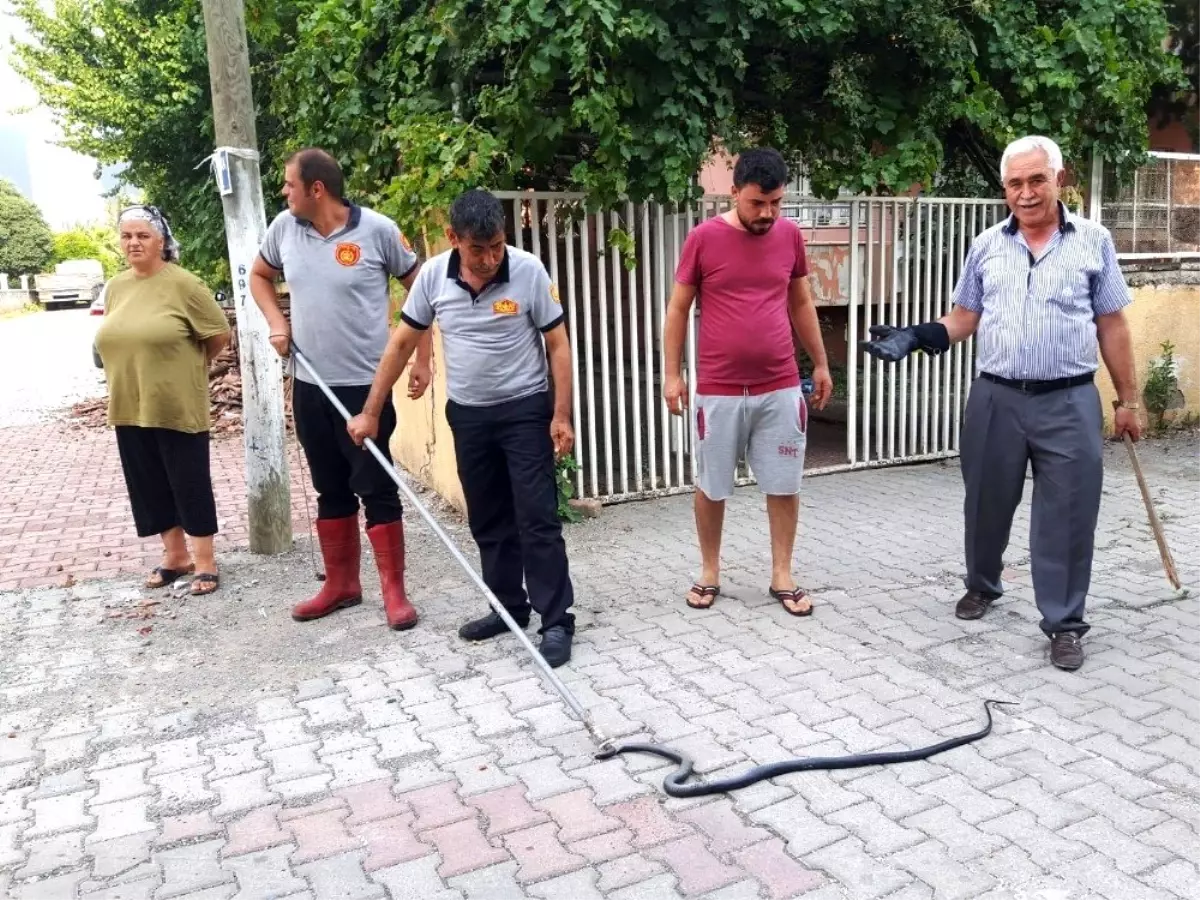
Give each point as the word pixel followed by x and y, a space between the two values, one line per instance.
pixel 973 605
pixel 1066 650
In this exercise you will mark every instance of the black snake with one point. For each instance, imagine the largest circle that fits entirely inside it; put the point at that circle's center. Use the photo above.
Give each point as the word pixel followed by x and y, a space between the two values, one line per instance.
pixel 674 785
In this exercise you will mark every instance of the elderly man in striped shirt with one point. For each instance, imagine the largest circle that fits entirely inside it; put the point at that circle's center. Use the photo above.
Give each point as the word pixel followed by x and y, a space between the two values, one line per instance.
pixel 1044 295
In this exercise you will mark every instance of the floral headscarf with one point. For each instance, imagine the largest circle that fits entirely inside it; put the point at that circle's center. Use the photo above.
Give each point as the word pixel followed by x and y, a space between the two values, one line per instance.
pixel 153 215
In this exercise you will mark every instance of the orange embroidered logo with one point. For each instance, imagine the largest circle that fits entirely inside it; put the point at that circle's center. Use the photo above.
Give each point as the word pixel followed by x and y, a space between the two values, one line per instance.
pixel 404 243
pixel 505 307
pixel 554 293
pixel 347 254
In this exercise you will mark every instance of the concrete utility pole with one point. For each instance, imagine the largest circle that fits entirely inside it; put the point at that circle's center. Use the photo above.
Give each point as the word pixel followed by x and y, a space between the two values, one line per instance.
pixel 236 166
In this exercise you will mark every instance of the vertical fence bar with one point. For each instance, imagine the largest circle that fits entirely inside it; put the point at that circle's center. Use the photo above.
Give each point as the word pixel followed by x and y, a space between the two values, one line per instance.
pixel 663 293
pixel 652 396
pixel 925 302
pixel 619 342
pixel 1170 166
pixel 882 310
pixel 894 321
pixel 956 368
pixel 908 365
pixel 552 210
pixel 968 344
pixel 852 352
pixel 942 427
pixel 605 380
pixel 1134 248
pixel 582 456
pixel 635 351
pixel 682 422
pixel 869 364
pixel 589 348
pixel 535 226
pixel 518 223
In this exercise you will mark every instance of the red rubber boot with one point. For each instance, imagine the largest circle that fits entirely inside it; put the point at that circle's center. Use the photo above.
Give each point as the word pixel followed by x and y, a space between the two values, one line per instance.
pixel 388 543
pixel 342 552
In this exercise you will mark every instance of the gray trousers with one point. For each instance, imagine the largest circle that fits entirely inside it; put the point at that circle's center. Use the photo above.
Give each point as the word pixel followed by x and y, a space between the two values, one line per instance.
pixel 1061 434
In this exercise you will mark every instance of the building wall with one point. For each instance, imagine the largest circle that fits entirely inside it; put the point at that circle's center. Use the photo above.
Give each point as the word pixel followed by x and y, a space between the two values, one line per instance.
pixel 1165 308
pixel 422 444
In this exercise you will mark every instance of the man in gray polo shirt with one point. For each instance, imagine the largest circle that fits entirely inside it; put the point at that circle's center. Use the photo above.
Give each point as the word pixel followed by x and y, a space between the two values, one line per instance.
pixel 496 305
pixel 337 258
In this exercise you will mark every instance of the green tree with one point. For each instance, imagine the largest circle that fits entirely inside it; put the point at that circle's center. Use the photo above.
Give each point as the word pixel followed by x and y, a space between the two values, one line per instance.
pixel 26 245
pixel 625 98
pixel 128 82
pixel 97 242
pixel 618 98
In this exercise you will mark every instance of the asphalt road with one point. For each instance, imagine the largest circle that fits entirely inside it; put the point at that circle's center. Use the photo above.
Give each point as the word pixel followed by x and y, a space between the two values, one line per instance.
pixel 46 365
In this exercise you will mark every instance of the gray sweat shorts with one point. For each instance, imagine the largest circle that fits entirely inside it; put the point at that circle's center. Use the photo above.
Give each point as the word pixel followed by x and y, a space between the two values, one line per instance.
pixel 767 430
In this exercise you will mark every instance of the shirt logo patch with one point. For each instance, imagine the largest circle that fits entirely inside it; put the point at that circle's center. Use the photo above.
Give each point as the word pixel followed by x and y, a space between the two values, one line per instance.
pixel 554 293
pixel 404 243
pixel 347 254
pixel 505 307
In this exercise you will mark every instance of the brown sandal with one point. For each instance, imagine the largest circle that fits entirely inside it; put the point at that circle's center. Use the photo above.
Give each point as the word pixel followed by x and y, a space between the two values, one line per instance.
pixel 793 596
pixel 162 576
pixel 707 594
pixel 205 583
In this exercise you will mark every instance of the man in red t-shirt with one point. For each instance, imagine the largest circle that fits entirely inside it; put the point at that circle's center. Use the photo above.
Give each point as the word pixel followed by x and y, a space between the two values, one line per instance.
pixel 750 271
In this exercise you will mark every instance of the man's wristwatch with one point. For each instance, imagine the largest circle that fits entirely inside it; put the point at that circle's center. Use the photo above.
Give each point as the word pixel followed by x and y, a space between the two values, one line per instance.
pixel 1118 404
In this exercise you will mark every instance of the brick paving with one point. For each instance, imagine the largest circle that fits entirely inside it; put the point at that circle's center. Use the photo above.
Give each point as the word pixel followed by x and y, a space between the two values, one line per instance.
pixel 410 765
pixel 66 513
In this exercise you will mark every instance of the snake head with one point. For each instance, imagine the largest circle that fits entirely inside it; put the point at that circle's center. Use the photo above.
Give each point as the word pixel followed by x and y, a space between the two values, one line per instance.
pixel 607 750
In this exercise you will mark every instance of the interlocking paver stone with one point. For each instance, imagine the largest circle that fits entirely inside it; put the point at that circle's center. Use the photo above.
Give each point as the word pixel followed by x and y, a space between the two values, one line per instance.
pixel 51 854
pixel 506 810
pixel 390 842
pixel 267 873
pixel 781 876
pixel 191 867
pixel 320 835
pixel 436 806
pixel 338 759
pixel 696 868
pixel 463 847
pixel 416 880
pixel 340 878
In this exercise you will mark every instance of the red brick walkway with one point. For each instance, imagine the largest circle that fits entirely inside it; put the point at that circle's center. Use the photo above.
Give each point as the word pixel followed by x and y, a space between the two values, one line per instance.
pixel 64 511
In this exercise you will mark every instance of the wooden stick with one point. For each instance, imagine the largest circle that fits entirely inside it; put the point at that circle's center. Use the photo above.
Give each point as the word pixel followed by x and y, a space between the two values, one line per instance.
pixel 1155 525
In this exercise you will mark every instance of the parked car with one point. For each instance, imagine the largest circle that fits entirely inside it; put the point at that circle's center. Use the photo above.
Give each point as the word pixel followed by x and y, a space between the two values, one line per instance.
pixel 73 282
pixel 97 307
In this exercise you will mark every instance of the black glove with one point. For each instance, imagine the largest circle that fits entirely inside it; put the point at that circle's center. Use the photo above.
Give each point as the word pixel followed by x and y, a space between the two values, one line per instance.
pixel 893 344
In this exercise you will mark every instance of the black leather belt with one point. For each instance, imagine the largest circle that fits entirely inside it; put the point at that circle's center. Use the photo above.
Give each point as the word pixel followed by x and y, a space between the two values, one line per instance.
pixel 1040 387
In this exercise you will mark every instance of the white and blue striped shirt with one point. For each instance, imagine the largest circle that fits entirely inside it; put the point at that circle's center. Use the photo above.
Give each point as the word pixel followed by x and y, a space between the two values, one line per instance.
pixel 1038 313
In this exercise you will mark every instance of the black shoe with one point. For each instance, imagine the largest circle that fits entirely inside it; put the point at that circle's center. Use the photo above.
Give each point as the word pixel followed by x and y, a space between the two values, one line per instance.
pixel 1066 650
pixel 489 626
pixel 973 605
pixel 556 646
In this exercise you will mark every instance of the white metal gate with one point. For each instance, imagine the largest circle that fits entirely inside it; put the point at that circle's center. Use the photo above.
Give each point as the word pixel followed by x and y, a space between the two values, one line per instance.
pixel 908 256
pixel 884 260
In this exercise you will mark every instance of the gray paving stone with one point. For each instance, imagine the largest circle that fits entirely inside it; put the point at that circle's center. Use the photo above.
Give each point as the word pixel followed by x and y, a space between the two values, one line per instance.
pixel 340 878
pixel 266 873
pixel 857 871
pixel 192 867
pixel 416 880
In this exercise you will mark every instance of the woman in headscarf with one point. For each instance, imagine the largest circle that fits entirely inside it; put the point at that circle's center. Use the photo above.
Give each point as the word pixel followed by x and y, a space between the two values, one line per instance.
pixel 161 328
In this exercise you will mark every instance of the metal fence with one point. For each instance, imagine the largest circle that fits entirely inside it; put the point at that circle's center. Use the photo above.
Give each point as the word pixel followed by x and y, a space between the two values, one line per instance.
pixel 1158 214
pixel 876 260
